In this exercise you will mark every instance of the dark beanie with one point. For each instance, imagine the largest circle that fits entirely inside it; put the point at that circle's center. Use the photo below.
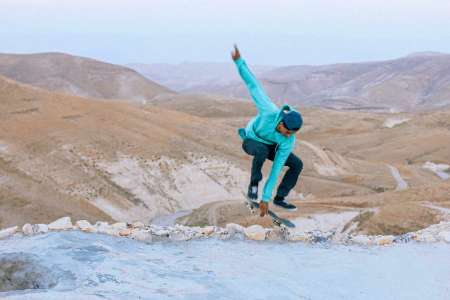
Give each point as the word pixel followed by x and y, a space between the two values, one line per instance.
pixel 292 120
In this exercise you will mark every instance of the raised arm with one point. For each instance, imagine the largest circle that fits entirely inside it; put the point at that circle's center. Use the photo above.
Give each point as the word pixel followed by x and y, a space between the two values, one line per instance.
pixel 262 101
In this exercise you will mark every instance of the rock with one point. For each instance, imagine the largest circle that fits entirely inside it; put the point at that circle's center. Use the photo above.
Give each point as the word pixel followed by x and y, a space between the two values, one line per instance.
pixel 426 237
pixel 8 232
pixel 40 228
pixel 85 226
pixel 125 232
pixel 404 238
pixel 276 234
pixel 138 225
pixel 119 226
pixel 27 229
pixel 255 232
pixel 179 236
pixel 384 240
pixel 297 236
pixel 208 230
pixel 445 236
pixel 162 232
pixel 104 227
pixel 63 223
pixel 141 235
pixel 361 240
pixel 233 229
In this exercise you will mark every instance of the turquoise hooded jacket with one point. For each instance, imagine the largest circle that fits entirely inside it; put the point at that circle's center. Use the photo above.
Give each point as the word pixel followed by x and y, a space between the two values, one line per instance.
pixel 262 127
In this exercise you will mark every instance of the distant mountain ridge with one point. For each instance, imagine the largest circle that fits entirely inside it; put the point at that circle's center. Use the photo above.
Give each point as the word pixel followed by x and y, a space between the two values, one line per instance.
pixel 419 81
pixel 79 76
pixel 191 76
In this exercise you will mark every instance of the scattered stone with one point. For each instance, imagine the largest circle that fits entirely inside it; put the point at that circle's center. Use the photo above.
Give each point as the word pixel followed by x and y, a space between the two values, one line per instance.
pixel 138 225
pixel 275 234
pixel 8 232
pixel 119 226
pixel 125 232
pixel 255 232
pixel 63 223
pixel 27 229
pixel 40 228
pixel 85 226
pixel 104 227
pixel 208 230
pixel 384 240
pixel 297 236
pixel 404 238
pixel 162 233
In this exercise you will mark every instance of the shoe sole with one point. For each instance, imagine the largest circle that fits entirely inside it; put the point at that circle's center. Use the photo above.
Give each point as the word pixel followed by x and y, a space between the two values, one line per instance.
pixel 289 209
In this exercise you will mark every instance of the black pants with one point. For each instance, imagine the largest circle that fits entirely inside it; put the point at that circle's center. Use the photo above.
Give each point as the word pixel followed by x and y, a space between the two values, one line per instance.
pixel 260 153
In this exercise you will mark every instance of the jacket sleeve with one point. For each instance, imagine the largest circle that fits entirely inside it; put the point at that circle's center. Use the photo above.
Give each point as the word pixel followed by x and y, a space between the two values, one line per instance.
pixel 281 155
pixel 262 101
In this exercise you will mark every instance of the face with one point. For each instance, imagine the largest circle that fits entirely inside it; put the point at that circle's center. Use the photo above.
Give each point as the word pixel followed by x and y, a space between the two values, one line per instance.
pixel 284 131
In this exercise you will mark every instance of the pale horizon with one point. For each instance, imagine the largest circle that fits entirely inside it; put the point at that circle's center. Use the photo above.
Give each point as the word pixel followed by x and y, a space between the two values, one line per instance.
pixel 267 32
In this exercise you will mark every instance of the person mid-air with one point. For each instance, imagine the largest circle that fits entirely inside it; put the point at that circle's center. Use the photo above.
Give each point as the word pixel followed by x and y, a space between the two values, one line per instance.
pixel 269 135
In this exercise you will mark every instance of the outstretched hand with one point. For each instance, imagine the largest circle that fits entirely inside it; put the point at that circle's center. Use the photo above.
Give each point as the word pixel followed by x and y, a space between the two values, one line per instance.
pixel 263 208
pixel 235 55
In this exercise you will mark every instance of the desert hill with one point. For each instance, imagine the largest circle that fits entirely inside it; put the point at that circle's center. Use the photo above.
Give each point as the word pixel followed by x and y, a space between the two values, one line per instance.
pixel 79 76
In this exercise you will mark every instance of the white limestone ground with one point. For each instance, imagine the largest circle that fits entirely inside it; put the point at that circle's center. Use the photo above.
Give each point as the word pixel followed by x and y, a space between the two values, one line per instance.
pixel 392 122
pixel 328 164
pixel 161 184
pixel 401 183
pixel 441 170
pixel 75 265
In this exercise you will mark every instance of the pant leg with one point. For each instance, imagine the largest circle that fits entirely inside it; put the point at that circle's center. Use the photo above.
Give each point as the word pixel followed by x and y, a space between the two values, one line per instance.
pixel 290 178
pixel 260 152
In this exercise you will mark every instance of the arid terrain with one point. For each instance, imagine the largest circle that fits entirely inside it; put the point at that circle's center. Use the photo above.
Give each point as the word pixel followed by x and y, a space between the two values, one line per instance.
pixel 94 159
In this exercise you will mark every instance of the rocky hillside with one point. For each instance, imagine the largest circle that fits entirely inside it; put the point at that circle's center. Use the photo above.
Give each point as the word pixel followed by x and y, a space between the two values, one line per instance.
pixel 79 76
pixel 103 160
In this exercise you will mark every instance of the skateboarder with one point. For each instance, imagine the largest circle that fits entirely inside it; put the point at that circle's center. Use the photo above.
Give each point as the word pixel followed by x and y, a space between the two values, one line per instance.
pixel 269 135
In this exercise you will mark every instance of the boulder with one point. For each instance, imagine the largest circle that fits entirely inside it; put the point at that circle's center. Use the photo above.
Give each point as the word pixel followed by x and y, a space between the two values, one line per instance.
pixel 63 223
pixel 27 229
pixel 207 231
pixel 125 232
pixel 40 228
pixel 8 232
pixel 255 232
pixel 276 234
pixel 85 226
pixel 138 224
pixel 119 226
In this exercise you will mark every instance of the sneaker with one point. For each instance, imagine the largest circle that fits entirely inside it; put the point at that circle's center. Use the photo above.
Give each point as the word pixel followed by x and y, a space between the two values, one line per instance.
pixel 282 203
pixel 252 193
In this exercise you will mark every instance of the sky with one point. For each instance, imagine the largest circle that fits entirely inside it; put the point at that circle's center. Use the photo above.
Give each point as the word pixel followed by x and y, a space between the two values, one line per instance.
pixel 279 32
